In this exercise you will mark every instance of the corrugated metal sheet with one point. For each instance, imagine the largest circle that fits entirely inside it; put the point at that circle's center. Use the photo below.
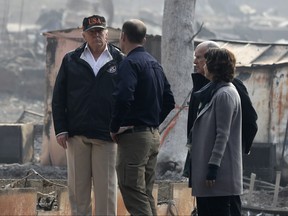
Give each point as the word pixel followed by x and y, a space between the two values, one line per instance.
pixel 252 54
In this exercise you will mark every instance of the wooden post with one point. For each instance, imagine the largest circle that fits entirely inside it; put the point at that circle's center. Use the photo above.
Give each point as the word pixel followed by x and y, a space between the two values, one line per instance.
pixel 276 191
pixel 251 187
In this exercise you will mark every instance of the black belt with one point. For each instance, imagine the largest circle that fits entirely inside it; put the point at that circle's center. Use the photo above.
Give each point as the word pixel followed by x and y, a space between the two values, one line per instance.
pixel 136 129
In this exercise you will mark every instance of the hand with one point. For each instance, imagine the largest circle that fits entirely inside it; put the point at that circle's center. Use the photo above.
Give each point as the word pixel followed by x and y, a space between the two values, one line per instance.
pixel 62 140
pixel 114 137
pixel 211 175
pixel 210 183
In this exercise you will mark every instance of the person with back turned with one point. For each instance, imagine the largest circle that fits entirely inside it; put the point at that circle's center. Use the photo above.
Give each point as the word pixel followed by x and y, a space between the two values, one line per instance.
pixel 143 99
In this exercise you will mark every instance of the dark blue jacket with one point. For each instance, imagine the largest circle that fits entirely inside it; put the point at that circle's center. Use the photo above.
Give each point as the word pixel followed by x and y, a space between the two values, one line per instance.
pixel 143 96
pixel 82 103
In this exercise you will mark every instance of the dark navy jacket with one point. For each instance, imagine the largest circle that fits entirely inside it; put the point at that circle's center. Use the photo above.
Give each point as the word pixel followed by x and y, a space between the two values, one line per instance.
pixel 82 102
pixel 143 96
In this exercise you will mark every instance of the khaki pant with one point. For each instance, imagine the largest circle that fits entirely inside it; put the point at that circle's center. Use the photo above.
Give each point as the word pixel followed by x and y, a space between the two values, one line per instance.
pixel 136 162
pixel 94 158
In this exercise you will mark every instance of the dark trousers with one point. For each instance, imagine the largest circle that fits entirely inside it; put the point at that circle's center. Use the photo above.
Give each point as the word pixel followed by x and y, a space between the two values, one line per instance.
pixel 219 206
pixel 136 162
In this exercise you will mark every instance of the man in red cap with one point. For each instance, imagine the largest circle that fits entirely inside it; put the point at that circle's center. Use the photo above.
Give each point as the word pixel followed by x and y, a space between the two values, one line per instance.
pixel 81 106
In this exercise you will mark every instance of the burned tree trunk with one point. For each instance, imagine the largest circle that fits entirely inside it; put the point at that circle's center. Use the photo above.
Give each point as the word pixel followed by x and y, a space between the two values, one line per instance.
pixel 177 59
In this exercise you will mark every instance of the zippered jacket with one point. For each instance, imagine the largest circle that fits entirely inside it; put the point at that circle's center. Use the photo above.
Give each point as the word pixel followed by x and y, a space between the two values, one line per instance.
pixel 82 102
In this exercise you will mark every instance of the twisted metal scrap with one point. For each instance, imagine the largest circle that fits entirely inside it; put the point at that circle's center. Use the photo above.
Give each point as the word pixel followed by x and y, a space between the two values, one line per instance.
pixel 46 202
